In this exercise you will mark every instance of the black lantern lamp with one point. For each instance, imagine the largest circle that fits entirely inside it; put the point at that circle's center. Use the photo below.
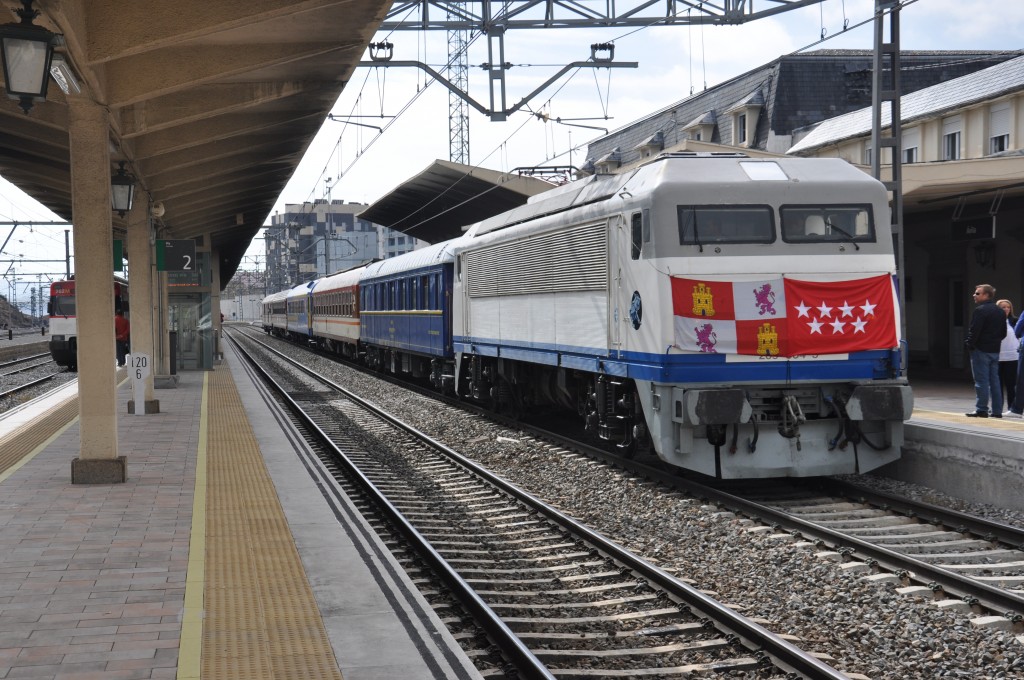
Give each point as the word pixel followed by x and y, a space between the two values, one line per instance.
pixel 26 50
pixel 122 191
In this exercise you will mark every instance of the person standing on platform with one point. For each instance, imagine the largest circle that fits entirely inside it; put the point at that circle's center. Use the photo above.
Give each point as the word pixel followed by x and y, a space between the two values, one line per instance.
pixel 985 336
pixel 1017 407
pixel 1008 356
pixel 122 334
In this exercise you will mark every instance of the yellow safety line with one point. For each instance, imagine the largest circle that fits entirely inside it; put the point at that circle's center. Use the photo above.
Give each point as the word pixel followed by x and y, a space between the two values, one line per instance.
pixel 946 416
pixel 190 647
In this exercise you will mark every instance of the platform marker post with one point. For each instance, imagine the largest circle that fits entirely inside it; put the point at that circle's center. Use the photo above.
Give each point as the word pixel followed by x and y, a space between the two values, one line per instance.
pixel 139 367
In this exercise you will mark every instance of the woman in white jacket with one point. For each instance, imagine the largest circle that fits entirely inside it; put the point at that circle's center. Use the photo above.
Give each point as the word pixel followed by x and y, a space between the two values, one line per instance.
pixel 1008 356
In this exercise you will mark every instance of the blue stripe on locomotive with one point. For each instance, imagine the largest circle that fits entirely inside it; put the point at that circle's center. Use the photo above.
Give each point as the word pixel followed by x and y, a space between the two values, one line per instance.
pixel 420 331
pixel 691 368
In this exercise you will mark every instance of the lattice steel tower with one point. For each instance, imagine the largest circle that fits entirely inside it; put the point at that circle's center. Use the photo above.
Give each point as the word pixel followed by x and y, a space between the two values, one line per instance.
pixel 458 75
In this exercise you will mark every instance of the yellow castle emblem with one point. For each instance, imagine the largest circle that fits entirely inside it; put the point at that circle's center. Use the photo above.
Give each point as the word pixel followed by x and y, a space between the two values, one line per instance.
pixel 767 340
pixel 703 301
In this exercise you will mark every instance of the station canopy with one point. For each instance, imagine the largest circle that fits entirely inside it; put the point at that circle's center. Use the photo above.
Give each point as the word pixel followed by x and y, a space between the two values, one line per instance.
pixel 437 203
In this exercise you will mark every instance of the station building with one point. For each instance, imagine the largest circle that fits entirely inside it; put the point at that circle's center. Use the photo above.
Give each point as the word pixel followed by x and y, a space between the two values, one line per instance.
pixel 963 165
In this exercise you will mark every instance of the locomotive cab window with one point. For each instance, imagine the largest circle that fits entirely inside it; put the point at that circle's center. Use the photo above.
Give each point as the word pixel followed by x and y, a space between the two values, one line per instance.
pixel 828 224
pixel 636 235
pixel 702 225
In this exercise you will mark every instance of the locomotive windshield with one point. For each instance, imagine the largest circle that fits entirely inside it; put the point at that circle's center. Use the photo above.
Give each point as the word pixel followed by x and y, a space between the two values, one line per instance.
pixel 831 223
pixel 700 225
pixel 62 306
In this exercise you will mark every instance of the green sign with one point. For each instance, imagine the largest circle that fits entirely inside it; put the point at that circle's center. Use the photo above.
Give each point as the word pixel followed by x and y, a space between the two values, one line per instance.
pixel 118 255
pixel 176 256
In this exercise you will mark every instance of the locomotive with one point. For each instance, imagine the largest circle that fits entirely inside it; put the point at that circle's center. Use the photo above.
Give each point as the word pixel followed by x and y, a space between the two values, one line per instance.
pixel 736 316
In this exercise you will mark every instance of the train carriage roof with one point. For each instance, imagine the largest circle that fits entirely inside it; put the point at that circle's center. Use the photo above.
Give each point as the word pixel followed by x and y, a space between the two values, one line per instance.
pixel 439 253
pixel 301 290
pixel 345 279
pixel 275 297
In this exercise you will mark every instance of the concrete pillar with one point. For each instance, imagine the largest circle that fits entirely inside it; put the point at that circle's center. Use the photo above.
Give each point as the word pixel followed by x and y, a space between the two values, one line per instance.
pixel 140 284
pixel 89 135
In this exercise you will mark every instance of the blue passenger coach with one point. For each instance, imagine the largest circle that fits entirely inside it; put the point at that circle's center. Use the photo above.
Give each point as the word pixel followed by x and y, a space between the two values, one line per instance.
pixel 406 316
pixel 300 302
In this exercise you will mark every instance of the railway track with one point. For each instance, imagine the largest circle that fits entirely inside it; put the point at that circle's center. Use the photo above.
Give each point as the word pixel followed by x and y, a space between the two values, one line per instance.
pixel 556 597
pixel 5 365
pixel 12 383
pixel 967 562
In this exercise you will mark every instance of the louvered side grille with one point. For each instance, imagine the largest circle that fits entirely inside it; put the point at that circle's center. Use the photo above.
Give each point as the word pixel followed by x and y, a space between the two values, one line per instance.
pixel 570 260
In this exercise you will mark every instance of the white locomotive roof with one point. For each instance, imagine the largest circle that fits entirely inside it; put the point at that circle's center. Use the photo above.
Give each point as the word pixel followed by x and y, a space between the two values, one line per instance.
pixel 687 170
pixel 571 195
pixel 438 253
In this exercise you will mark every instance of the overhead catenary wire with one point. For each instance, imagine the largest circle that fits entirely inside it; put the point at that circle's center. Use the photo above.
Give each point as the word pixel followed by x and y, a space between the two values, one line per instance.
pixel 569 151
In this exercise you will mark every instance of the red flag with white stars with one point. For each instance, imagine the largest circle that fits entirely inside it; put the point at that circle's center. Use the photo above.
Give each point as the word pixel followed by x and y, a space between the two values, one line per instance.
pixel 832 317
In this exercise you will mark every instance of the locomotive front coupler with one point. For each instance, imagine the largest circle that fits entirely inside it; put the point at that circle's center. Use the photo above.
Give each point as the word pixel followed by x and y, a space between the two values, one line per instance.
pixel 792 417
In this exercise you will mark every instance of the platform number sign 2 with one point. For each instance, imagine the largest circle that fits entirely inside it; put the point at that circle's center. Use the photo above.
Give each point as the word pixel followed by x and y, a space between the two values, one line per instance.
pixel 175 256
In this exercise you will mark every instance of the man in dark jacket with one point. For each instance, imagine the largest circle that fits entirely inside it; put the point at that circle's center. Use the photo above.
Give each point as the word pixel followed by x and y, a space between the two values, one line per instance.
pixel 988 328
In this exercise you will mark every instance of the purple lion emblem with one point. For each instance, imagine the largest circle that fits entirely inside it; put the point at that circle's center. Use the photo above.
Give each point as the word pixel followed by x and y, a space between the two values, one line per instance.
pixel 764 297
pixel 706 338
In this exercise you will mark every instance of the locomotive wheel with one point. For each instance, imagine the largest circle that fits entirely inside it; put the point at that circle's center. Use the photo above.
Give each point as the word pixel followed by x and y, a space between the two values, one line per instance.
pixel 507 401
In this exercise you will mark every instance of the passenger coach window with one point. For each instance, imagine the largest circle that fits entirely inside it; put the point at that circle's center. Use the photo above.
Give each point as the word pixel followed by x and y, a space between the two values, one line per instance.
pixel 700 225
pixel 831 223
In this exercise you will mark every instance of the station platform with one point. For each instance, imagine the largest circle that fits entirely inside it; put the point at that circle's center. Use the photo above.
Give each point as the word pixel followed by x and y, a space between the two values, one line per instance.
pixel 977 459
pixel 220 557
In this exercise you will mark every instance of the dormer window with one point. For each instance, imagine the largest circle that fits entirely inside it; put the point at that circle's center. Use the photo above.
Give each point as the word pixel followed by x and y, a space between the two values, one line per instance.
pixel 651 146
pixel 744 115
pixel 608 163
pixel 701 128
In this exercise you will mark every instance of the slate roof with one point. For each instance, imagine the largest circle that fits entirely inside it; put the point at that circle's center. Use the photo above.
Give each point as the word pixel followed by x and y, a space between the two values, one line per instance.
pixel 798 90
pixel 930 102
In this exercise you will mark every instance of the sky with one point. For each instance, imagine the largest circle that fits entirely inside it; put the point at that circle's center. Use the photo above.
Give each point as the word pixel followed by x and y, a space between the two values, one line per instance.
pixel 360 164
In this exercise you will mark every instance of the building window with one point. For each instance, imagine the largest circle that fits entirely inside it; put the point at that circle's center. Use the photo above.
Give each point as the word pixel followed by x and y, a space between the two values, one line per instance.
pixel 951 146
pixel 999 127
pixel 911 142
pixel 867 155
pixel 741 128
pixel 951 128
